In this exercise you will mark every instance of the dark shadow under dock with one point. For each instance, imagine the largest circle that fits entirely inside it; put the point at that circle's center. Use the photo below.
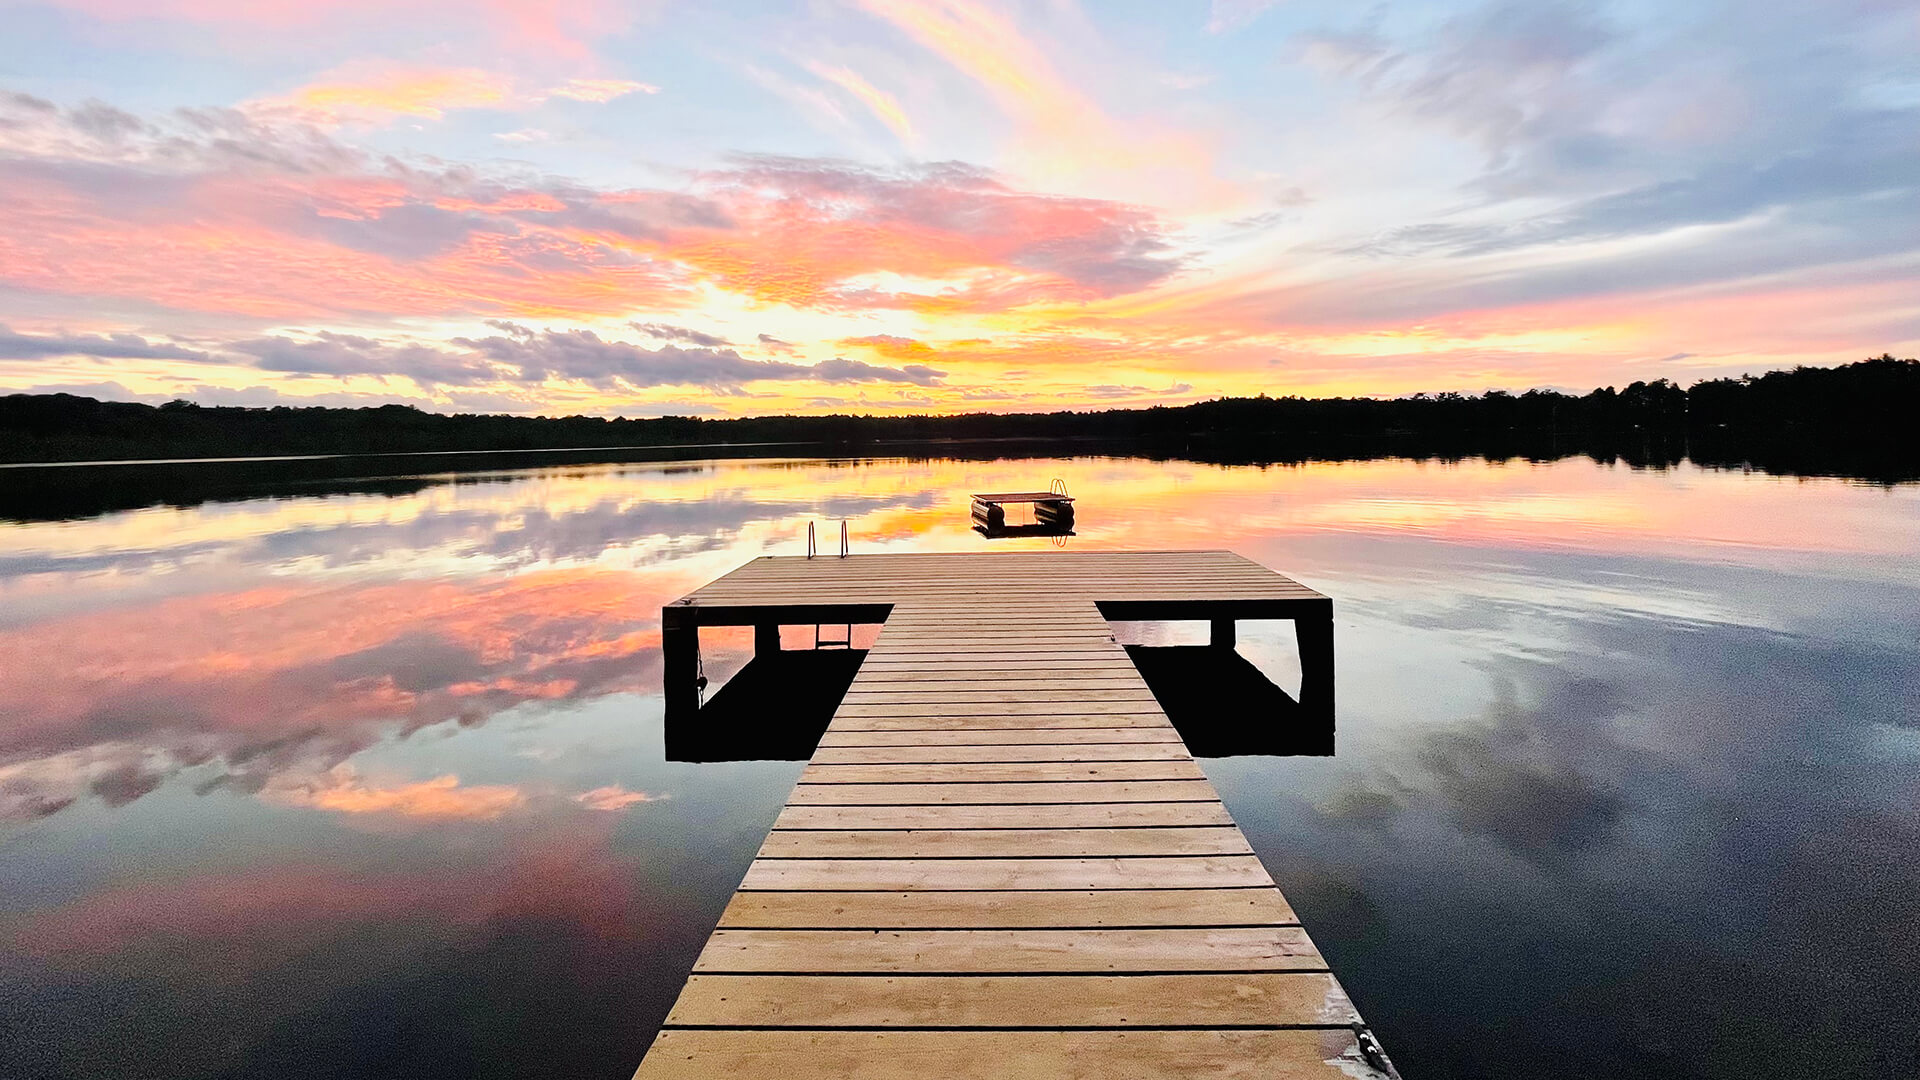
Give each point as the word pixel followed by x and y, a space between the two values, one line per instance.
pixel 773 709
pixel 1224 706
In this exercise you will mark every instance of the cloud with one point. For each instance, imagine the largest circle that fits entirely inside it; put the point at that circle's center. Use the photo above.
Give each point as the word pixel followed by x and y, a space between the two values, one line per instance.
pixel 329 353
pixel 1504 74
pixel 349 666
pixel 1230 15
pixel 538 28
pixel 892 345
pixel 599 90
pixel 290 224
pixel 341 790
pixel 1063 132
pixel 1713 117
pixel 14 346
pixel 376 92
pixel 517 355
pixel 840 370
pixel 829 225
pixel 881 104
pixel 668 332
pixel 1109 391
pixel 586 356
pixel 614 798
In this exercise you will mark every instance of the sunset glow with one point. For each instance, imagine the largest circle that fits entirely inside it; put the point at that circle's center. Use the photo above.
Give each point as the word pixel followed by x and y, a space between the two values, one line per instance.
pixel 943 205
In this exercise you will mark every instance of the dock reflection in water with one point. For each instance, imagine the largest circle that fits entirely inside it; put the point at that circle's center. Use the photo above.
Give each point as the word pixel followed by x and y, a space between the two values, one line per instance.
pixel 778 704
pixel 1224 706
pixel 774 708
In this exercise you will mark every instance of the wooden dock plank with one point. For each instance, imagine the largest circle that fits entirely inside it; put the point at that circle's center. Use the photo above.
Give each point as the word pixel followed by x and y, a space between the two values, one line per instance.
pixel 1042 721
pixel 1098 736
pixel 1001 843
pixel 1063 752
pixel 1006 909
pixel 1261 948
pixel 1282 1054
pixel 991 694
pixel 960 794
pixel 1250 999
pixel 1058 816
pixel 1066 706
pixel 949 875
pixel 1016 772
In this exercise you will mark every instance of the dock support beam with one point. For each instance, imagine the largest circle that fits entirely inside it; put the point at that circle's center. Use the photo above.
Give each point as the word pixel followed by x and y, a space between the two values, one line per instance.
pixel 766 639
pixel 1314 633
pixel 680 662
pixel 1223 636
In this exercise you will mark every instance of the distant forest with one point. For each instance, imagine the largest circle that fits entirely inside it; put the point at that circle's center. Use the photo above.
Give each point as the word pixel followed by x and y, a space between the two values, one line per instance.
pixel 1857 420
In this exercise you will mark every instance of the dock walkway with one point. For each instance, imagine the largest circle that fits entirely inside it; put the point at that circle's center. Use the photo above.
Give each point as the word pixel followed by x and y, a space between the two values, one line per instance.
pixel 1002 860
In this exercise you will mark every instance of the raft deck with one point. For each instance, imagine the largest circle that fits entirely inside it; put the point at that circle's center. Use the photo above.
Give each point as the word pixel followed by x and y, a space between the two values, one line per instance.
pixel 1001 859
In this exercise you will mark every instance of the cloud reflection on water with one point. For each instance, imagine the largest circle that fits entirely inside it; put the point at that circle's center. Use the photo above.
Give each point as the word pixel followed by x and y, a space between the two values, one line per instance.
pixel 242 687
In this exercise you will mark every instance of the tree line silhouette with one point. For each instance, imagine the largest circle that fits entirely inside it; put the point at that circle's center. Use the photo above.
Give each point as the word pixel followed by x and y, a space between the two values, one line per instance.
pixel 1851 420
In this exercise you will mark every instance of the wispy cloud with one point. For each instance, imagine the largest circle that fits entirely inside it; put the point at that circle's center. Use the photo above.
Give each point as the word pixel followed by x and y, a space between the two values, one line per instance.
pixel 1065 135
pixel 1230 15
pixel 379 92
pixel 614 797
pixel 881 104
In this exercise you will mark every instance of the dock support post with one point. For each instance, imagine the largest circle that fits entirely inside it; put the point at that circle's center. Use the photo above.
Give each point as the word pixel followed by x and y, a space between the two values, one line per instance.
pixel 1223 637
pixel 766 639
pixel 1314 633
pixel 680 663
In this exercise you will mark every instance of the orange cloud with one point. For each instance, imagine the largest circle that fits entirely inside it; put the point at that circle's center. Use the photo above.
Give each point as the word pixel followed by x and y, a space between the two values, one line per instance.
pixel 428 93
pixel 376 93
pixel 341 791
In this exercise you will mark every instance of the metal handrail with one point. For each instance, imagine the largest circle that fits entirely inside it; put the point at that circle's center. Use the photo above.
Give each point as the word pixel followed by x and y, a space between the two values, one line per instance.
pixel 809 539
pixel 843 538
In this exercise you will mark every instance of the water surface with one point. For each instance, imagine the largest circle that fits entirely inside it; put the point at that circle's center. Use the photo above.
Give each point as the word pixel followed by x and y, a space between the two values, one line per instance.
pixel 364 783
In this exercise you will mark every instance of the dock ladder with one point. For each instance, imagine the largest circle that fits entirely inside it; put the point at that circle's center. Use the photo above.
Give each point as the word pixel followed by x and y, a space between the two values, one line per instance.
pixel 845 641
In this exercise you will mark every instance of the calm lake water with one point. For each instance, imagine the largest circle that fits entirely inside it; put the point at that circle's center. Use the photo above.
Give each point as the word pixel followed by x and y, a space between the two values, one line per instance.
pixel 371 784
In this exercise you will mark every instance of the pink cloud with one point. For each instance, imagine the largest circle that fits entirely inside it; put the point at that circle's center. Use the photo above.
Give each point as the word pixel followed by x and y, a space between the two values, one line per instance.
pixel 280 222
pixel 249 920
pixel 278 685
pixel 541 27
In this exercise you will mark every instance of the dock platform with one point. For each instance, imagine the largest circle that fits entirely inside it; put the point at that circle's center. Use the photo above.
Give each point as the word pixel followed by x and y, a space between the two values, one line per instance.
pixel 1002 860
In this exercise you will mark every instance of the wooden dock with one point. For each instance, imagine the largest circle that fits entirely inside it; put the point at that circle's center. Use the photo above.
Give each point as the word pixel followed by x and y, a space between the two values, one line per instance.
pixel 1002 861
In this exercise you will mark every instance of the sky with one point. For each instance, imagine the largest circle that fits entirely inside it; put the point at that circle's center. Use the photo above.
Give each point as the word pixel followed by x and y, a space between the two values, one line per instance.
pixel 900 206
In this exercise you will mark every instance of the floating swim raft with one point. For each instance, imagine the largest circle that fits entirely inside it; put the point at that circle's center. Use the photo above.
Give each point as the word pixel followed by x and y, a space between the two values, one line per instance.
pixel 1050 508
pixel 1001 860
